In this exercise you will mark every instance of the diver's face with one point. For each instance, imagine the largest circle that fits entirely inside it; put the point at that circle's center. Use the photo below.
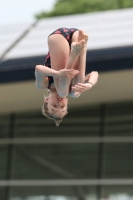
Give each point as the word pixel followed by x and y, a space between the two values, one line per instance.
pixel 57 106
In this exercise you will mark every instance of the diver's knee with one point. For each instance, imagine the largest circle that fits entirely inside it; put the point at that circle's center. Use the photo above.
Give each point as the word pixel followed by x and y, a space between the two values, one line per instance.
pixel 62 94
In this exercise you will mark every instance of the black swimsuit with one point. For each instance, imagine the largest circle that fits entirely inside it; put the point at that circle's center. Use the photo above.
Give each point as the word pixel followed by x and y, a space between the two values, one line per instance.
pixel 67 33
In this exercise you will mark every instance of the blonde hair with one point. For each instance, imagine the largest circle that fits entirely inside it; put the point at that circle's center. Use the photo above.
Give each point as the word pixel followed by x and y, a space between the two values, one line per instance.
pixel 45 112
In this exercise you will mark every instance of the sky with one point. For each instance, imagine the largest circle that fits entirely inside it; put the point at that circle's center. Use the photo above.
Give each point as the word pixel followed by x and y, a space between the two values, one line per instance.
pixel 17 11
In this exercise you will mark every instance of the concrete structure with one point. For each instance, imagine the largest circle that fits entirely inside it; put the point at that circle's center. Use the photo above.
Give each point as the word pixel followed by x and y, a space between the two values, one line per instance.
pixel 90 155
pixel 110 52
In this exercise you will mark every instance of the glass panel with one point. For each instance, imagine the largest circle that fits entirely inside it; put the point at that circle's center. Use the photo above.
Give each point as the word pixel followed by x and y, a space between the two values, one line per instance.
pixel 3 161
pixel 53 193
pixel 124 192
pixel 4 126
pixel 118 160
pixel 55 161
pixel 2 193
pixel 119 119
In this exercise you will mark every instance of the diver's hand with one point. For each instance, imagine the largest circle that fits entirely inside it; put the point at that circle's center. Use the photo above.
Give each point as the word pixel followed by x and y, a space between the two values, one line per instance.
pixel 81 87
pixel 66 73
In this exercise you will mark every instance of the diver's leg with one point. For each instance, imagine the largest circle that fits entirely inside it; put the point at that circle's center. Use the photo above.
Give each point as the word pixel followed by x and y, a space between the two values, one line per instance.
pixel 80 64
pixel 59 51
pixel 64 83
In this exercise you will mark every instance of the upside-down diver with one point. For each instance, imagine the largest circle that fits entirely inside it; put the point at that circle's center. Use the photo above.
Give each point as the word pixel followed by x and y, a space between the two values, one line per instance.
pixel 64 71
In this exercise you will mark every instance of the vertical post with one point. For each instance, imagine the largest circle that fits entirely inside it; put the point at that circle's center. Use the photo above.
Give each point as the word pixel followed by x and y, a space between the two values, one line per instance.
pixel 10 156
pixel 101 149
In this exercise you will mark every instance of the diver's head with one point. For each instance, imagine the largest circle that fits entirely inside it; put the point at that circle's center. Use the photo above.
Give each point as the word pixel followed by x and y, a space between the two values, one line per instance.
pixel 55 107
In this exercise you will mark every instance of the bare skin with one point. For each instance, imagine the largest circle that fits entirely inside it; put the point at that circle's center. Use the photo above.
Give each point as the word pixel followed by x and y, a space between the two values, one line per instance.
pixel 81 67
pixel 68 70
pixel 64 83
pixel 57 104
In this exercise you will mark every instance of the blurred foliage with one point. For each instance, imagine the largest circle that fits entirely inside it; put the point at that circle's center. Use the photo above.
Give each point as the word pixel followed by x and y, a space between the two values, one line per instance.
pixel 67 7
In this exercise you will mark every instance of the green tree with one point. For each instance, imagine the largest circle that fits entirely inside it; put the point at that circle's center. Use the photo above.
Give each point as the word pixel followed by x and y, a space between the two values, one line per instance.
pixel 67 7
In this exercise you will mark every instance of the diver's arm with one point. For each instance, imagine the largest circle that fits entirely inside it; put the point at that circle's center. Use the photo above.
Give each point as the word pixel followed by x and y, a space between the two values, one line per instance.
pixel 92 78
pixel 41 81
pixel 45 71
pixel 42 71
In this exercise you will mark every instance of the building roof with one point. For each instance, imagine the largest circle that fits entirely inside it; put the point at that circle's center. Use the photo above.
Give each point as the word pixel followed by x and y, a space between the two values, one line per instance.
pixel 106 30
pixel 110 50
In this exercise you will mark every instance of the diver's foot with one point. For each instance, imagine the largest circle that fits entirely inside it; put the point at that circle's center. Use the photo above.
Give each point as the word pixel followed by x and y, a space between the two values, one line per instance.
pixel 77 47
pixel 83 36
